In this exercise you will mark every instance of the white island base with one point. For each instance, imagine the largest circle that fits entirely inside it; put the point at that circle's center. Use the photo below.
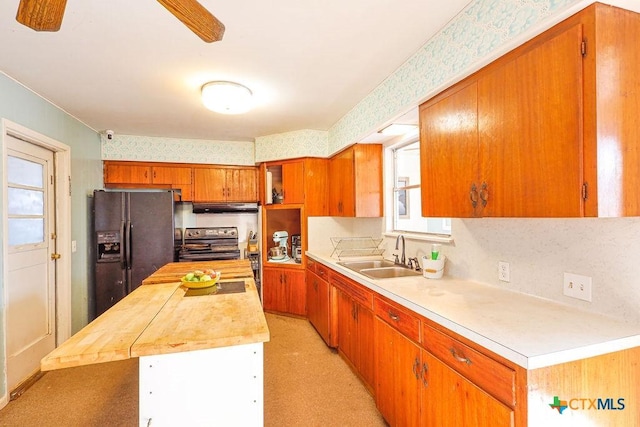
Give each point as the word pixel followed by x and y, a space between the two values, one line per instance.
pixel 219 386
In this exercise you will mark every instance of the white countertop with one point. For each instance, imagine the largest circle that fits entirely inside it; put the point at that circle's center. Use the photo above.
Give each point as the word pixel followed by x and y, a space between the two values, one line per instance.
pixel 530 331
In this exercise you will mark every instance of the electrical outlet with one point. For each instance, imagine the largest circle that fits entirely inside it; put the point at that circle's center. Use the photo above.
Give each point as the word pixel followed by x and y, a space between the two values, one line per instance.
pixel 74 246
pixel 577 286
pixel 504 274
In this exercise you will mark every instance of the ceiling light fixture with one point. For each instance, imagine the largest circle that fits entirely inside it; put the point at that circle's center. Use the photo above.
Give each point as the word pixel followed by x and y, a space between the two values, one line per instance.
pixel 227 97
pixel 398 129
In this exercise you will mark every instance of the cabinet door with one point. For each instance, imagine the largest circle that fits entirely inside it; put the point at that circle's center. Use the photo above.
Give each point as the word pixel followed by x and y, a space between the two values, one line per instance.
pixel 365 344
pixel 293 182
pixel 171 175
pixel 242 185
pixel 530 131
pixel 449 155
pixel 397 361
pixel 177 177
pixel 318 305
pixel 117 173
pixel 346 327
pixel 294 282
pixel 450 400
pixel 274 295
pixel 364 198
pixel 209 185
pixel 341 184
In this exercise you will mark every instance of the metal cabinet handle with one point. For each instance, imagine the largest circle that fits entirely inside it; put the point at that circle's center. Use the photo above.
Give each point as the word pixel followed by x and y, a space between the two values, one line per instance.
pixel 425 372
pixel 484 194
pixel 416 368
pixel 459 358
pixel 394 317
pixel 473 195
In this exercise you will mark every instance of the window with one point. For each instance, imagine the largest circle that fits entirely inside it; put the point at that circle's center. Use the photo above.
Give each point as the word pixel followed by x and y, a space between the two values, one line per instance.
pixel 407 206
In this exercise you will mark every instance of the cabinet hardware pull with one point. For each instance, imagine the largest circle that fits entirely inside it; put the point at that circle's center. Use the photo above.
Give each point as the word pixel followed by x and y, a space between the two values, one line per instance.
pixel 484 194
pixel 459 358
pixel 473 195
pixel 425 372
pixel 394 317
pixel 416 367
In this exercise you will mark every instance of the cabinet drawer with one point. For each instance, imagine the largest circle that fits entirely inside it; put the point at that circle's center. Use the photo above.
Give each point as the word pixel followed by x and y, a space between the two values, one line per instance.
pixel 493 377
pixel 399 317
pixel 311 265
pixel 356 291
pixel 322 272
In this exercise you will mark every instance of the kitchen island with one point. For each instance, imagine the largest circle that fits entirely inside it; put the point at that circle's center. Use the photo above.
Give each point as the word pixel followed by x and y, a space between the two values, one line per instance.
pixel 200 356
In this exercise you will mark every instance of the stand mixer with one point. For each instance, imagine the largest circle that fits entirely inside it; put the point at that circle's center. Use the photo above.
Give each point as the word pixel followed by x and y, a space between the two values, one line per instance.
pixel 279 252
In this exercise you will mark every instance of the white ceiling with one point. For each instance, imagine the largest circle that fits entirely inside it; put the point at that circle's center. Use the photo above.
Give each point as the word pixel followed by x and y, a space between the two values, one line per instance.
pixel 130 66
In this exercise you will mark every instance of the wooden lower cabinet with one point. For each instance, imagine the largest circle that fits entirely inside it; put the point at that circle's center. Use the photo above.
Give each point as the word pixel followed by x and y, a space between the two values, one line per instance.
pixel 284 291
pixel 450 400
pixel 355 337
pixel 397 369
pixel 321 306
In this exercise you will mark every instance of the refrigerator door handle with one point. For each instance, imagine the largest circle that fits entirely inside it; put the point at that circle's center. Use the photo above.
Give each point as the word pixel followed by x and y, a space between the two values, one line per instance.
pixel 128 244
pixel 123 246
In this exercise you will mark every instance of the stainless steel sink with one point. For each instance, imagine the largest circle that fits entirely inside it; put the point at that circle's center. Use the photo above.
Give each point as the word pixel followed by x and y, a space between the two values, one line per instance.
pixel 360 265
pixel 389 272
pixel 379 269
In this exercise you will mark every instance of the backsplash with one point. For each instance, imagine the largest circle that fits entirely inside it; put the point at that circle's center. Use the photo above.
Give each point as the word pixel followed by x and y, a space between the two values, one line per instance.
pixel 177 150
pixel 540 251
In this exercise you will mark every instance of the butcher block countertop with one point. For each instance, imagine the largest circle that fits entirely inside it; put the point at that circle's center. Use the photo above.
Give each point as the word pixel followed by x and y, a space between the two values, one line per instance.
pixel 157 318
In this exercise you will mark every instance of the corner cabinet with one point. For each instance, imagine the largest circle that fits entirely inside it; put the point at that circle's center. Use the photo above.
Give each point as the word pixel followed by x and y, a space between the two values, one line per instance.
pixel 541 132
pixel 297 181
pixel 355 182
pixel 284 291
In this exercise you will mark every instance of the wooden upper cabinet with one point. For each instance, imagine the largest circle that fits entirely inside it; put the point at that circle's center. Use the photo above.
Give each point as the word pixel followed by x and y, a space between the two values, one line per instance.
pixel 242 184
pixel 293 182
pixel 355 182
pixel 218 184
pixel 550 127
pixel 126 173
pixel 209 185
pixel 449 155
pixel 530 129
pixel 299 181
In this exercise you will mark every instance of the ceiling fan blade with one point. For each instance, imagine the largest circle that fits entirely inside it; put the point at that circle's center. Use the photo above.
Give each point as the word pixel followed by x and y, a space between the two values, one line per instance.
pixel 41 15
pixel 197 18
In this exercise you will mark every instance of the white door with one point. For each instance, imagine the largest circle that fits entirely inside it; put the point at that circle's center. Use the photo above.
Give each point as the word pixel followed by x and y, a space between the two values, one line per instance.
pixel 30 289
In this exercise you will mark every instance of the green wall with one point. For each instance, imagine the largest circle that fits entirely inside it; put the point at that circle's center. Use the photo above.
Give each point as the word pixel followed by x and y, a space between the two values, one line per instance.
pixel 20 105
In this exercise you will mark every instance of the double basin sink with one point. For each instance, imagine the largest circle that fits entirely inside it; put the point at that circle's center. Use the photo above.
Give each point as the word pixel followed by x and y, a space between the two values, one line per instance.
pixel 379 269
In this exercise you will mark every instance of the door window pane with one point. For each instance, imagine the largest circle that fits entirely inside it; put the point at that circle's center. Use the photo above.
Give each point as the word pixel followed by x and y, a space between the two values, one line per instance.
pixel 24 172
pixel 23 231
pixel 25 202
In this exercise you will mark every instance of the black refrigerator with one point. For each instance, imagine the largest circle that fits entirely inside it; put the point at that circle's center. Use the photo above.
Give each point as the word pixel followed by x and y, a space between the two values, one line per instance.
pixel 134 236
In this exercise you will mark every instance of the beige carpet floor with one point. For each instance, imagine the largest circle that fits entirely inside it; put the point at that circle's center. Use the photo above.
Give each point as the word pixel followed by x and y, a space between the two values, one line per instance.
pixel 306 384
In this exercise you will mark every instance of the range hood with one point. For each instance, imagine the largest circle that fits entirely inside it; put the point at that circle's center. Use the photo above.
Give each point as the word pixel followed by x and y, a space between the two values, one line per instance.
pixel 225 207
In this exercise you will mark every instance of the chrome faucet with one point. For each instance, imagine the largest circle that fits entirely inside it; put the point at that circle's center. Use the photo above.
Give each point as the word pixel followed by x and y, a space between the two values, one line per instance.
pixel 402 259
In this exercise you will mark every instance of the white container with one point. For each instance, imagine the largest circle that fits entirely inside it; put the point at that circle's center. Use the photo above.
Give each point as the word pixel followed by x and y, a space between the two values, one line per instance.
pixel 433 269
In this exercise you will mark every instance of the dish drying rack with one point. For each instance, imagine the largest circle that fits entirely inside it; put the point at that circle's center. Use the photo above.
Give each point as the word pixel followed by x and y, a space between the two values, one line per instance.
pixel 349 247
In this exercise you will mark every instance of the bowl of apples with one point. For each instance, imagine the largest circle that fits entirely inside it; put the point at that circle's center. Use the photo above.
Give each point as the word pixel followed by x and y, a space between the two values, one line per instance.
pixel 200 279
